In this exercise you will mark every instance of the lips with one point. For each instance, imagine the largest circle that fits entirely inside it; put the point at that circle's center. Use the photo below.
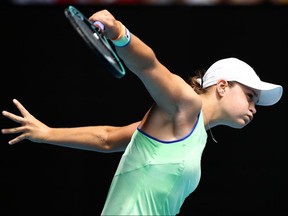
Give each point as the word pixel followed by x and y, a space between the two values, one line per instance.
pixel 250 117
pixel 247 119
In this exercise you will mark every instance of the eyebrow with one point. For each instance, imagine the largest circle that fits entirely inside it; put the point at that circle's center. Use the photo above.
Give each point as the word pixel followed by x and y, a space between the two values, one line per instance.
pixel 255 95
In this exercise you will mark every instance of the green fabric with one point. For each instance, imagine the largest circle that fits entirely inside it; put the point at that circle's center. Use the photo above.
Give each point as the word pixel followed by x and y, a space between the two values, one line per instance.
pixel 154 177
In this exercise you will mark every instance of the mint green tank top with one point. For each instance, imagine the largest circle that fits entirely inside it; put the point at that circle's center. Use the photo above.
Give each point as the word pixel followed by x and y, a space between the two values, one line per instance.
pixel 155 177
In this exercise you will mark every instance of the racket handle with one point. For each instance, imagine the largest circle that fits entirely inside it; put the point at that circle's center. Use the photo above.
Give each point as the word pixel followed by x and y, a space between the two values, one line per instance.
pixel 99 24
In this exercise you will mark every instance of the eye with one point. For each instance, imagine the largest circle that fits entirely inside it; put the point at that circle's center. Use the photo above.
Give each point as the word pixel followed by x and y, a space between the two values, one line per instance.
pixel 250 96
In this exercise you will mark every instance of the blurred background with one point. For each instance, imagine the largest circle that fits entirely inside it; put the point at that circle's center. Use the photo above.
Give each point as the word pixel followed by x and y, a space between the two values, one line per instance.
pixel 150 2
pixel 47 67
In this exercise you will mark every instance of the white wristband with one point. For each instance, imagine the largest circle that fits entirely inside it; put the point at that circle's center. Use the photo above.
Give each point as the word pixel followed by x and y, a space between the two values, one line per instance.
pixel 124 38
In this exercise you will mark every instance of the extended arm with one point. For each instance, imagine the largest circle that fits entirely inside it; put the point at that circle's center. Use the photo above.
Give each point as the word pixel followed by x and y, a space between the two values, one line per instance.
pixel 95 138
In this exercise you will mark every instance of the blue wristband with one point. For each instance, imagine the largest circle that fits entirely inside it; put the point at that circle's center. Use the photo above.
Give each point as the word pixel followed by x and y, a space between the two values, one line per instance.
pixel 124 38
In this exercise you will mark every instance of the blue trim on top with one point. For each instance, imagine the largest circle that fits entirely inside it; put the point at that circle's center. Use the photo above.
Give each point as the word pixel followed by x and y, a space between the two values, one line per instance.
pixel 169 142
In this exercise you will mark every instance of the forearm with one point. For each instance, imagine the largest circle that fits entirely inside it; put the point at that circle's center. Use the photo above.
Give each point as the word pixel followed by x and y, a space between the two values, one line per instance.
pixel 137 56
pixel 78 137
pixel 93 138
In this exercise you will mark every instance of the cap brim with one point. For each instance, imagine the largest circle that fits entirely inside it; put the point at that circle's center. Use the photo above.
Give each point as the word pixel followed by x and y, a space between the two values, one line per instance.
pixel 270 94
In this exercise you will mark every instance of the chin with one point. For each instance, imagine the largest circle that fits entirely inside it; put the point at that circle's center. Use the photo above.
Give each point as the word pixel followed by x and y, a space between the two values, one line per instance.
pixel 239 125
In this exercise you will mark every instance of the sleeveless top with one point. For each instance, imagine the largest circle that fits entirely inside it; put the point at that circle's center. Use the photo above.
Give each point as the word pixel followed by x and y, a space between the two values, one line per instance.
pixel 155 177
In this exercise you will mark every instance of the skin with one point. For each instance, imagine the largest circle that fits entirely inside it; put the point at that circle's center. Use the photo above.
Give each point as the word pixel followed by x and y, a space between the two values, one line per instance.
pixel 172 116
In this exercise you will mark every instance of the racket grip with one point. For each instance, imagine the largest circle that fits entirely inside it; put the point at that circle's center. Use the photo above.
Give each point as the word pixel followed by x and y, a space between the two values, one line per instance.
pixel 99 24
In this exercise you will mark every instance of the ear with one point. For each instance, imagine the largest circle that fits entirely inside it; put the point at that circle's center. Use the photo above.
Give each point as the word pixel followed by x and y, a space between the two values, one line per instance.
pixel 221 86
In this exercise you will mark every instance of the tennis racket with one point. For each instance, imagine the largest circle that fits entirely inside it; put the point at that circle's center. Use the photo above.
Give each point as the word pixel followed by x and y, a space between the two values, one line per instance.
pixel 95 39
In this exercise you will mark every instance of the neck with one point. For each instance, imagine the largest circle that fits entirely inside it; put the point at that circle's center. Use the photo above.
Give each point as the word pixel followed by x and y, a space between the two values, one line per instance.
pixel 207 126
pixel 208 122
pixel 210 109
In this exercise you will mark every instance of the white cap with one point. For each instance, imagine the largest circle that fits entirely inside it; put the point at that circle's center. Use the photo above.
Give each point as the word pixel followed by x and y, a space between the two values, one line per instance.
pixel 233 69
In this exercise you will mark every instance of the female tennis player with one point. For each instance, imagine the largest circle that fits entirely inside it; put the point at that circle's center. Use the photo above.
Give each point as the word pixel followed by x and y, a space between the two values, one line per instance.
pixel 161 161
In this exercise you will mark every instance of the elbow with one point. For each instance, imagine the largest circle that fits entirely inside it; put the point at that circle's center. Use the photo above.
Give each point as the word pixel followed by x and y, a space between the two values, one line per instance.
pixel 107 146
pixel 111 149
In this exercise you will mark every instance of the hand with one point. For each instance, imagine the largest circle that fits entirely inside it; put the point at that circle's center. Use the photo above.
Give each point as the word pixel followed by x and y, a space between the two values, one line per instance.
pixel 112 28
pixel 31 128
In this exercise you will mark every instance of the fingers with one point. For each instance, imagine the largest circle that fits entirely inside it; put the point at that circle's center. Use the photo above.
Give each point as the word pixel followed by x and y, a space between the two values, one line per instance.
pixel 13 130
pixel 17 119
pixel 102 15
pixel 99 25
pixel 21 108
pixel 16 140
pixel 13 117
pixel 106 22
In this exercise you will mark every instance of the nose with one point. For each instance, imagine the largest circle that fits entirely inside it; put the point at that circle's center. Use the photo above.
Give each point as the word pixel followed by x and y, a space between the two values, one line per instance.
pixel 252 108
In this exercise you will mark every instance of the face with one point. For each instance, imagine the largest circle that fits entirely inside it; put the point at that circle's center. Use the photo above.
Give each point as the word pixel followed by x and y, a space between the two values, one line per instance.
pixel 238 103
